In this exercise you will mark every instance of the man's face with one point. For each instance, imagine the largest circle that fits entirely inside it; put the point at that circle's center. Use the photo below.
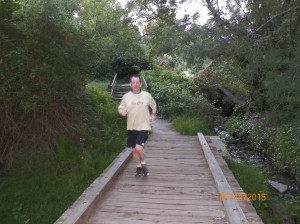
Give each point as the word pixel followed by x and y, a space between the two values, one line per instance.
pixel 135 84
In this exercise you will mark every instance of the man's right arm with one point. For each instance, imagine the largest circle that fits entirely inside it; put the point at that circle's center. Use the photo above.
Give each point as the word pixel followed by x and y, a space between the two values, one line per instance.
pixel 122 109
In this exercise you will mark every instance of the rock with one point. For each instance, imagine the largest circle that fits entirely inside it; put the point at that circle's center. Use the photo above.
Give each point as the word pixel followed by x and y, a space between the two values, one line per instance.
pixel 278 186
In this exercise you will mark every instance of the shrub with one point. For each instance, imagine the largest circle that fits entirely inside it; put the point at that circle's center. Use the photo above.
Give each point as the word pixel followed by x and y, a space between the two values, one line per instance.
pixel 191 125
pixel 38 183
pixel 281 143
pixel 285 142
pixel 176 94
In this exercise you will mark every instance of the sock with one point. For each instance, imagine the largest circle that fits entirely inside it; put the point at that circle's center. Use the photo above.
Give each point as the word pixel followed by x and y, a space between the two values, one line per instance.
pixel 144 162
pixel 140 165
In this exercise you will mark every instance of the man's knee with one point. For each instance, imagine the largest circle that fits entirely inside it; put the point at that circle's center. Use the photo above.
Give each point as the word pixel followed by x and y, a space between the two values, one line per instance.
pixel 138 149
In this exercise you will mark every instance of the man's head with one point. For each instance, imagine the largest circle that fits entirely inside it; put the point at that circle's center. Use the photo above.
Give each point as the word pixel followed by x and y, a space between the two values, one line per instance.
pixel 135 83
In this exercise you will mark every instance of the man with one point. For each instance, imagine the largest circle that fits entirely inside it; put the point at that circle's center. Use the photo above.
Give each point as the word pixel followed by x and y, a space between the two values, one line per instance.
pixel 135 105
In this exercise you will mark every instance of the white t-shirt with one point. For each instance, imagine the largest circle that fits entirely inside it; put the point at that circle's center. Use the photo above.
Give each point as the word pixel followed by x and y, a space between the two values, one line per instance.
pixel 137 106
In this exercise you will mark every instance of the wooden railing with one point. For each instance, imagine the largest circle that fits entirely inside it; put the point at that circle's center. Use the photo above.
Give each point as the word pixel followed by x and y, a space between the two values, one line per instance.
pixel 148 87
pixel 112 85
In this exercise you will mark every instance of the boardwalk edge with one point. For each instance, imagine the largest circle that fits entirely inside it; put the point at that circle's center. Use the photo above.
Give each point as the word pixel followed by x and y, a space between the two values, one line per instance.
pixel 81 208
pixel 233 209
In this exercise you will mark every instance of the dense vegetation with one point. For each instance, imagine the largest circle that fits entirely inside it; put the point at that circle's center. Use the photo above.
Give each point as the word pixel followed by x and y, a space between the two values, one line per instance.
pixel 52 123
pixel 250 48
pixel 38 187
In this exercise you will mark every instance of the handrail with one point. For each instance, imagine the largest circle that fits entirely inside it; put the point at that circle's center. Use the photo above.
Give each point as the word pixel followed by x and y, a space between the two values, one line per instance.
pixel 112 85
pixel 146 84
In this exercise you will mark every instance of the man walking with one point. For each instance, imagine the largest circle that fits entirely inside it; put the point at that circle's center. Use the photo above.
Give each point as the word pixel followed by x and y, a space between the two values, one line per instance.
pixel 135 105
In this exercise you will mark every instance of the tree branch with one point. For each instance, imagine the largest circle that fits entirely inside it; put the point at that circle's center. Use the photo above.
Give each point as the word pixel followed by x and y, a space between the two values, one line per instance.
pixel 279 14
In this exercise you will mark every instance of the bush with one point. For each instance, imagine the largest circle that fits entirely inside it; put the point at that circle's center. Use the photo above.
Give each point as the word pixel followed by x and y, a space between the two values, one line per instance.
pixel 41 76
pixel 177 94
pixel 285 142
pixel 39 187
pixel 281 143
pixel 191 125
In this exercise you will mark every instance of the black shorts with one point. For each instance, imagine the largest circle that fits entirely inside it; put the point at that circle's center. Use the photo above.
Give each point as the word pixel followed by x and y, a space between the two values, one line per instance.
pixel 136 137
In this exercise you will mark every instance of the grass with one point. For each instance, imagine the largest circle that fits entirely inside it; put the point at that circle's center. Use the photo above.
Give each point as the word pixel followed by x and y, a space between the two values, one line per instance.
pixel 253 181
pixel 190 125
pixel 38 188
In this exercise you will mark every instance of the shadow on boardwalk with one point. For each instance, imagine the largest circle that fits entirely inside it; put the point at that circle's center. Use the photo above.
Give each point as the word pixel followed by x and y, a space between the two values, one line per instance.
pixel 180 188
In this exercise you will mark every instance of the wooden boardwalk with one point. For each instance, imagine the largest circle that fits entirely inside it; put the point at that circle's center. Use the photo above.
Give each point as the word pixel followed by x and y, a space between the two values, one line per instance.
pixel 182 187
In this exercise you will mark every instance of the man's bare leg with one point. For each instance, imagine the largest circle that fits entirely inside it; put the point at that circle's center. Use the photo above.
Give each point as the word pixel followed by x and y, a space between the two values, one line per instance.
pixel 139 157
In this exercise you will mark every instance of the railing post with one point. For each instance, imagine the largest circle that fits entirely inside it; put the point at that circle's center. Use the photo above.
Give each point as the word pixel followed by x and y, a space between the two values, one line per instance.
pixel 112 85
pixel 148 87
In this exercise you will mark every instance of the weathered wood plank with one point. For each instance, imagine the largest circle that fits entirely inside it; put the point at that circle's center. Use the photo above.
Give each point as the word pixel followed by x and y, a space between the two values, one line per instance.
pixel 180 184
pixel 180 188
pixel 233 209
pixel 132 218
pixel 246 206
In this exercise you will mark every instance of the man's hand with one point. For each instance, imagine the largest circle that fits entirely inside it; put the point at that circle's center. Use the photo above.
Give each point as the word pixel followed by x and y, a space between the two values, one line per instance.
pixel 123 112
pixel 152 118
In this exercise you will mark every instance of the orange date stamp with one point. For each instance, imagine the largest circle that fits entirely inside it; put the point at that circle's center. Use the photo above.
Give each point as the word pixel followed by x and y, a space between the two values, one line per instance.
pixel 244 196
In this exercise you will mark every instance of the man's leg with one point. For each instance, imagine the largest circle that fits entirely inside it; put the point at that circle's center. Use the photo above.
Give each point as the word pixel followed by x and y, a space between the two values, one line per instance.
pixel 139 156
pixel 136 140
pixel 131 142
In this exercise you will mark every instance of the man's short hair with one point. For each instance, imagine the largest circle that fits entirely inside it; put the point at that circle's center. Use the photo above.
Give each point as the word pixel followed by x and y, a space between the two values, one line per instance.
pixel 136 76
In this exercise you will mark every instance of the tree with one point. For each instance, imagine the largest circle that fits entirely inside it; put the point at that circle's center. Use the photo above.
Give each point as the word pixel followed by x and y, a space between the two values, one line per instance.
pixel 114 43
pixel 41 75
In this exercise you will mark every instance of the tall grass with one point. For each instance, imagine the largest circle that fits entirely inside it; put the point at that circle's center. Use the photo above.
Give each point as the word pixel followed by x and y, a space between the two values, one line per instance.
pixel 253 182
pixel 38 188
pixel 191 125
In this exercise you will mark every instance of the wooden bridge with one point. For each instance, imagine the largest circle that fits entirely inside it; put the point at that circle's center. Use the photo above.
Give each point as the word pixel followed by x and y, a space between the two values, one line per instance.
pixel 187 179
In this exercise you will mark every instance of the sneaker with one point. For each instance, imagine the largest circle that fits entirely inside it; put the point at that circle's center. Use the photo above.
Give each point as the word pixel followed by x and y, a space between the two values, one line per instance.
pixel 145 170
pixel 138 171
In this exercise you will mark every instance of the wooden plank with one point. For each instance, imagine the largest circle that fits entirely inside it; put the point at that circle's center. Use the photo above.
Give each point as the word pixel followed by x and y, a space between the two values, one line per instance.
pixel 218 212
pixel 180 189
pixel 171 207
pixel 79 211
pixel 117 197
pixel 246 206
pixel 233 209
pixel 138 218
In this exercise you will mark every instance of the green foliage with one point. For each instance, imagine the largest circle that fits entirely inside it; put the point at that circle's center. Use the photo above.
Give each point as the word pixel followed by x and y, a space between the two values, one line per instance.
pixel 293 207
pixel 101 108
pixel 113 43
pixel 176 94
pixel 285 142
pixel 236 125
pixel 225 74
pixel 41 75
pixel 191 125
pixel 281 143
pixel 249 177
pixel 252 129
pixel 253 181
pixel 39 187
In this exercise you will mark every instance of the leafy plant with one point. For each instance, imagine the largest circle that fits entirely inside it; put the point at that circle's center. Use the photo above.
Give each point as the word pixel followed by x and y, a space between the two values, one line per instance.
pixel 37 183
pixel 285 143
pixel 191 125
pixel 177 94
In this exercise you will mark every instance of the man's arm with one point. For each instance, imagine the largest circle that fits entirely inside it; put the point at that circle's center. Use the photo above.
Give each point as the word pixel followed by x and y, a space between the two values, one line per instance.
pixel 122 109
pixel 154 110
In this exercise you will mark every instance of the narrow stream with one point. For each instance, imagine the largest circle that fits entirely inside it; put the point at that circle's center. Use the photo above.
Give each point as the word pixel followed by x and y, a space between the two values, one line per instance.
pixel 241 152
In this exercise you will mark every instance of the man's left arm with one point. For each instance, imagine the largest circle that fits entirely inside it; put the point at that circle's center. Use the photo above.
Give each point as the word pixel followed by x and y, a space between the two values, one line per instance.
pixel 154 110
